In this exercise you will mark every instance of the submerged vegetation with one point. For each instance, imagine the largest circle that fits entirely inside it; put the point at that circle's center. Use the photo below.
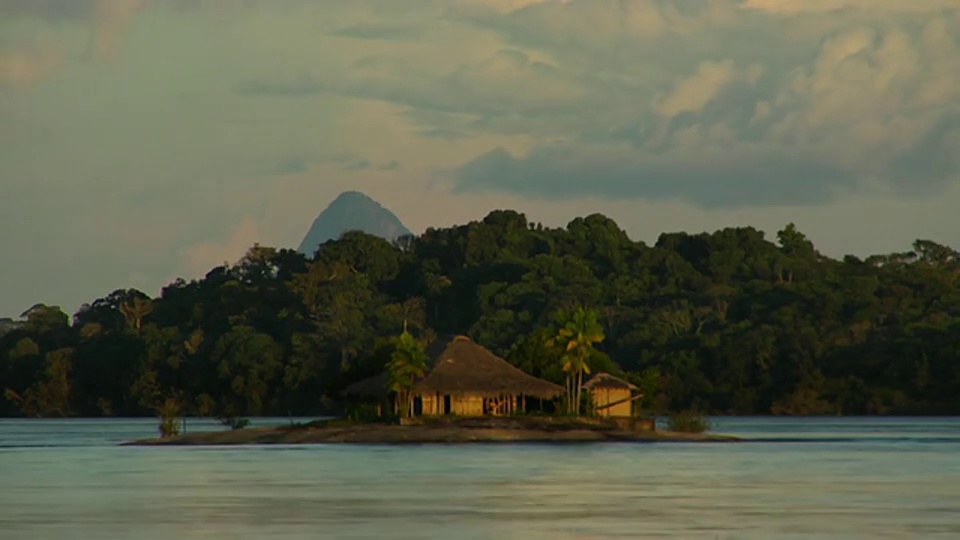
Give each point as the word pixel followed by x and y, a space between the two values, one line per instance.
pixel 688 422
pixel 727 322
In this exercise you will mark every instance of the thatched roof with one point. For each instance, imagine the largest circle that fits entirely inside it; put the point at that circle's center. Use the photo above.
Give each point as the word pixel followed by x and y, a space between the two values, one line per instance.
pixel 371 387
pixel 461 366
pixel 608 381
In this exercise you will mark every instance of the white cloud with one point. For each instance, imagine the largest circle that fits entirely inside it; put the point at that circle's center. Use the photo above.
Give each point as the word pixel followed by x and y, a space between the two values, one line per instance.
pixel 200 258
pixel 695 92
pixel 511 5
pixel 872 108
pixel 795 7
pixel 113 18
pixel 134 131
pixel 24 67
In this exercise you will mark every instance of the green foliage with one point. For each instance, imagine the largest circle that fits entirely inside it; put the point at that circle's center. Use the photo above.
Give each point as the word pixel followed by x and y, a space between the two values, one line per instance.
pixel 407 364
pixel 170 412
pixel 531 354
pixel 104 406
pixel 650 384
pixel 366 412
pixel 688 422
pixel 44 319
pixel 577 333
pixel 50 395
pixel 724 322
pixel 248 363
pixel 204 405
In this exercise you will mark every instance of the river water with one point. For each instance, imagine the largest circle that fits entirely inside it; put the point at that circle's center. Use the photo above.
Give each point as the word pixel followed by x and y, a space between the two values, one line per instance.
pixel 804 478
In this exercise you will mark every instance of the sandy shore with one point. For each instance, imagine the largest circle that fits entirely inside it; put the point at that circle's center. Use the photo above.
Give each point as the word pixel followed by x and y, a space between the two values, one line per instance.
pixel 464 430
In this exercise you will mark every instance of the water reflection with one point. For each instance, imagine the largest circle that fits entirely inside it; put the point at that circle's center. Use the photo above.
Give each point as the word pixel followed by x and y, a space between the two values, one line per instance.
pixel 884 480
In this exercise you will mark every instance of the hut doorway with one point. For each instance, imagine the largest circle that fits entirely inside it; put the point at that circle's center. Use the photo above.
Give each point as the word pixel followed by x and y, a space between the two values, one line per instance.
pixel 447 406
pixel 418 406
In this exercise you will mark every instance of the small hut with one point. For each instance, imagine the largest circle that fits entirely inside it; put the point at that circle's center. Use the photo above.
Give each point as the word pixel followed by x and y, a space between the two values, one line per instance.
pixel 465 379
pixel 612 396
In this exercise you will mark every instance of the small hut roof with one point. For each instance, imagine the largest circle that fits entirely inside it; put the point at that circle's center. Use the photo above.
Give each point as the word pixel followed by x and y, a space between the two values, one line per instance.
pixel 375 387
pixel 606 380
pixel 461 366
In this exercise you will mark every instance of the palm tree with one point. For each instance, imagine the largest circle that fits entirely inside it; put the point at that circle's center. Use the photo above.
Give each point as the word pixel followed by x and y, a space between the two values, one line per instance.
pixel 407 364
pixel 579 331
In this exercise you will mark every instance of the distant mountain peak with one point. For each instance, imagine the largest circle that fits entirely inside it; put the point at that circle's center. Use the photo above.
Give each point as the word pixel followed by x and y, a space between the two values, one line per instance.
pixel 353 196
pixel 352 211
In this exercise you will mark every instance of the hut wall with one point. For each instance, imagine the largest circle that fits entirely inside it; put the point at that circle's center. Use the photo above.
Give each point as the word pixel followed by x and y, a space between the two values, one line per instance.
pixel 466 405
pixel 602 396
pixel 463 405
pixel 432 404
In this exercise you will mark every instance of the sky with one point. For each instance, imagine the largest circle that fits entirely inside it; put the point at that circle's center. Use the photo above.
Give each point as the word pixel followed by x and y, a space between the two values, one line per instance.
pixel 142 140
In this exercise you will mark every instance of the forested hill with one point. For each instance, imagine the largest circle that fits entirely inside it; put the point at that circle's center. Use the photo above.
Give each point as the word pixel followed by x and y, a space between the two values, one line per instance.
pixel 727 322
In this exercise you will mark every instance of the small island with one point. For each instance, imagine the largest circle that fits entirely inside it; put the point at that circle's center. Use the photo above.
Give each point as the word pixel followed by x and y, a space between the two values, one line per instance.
pixel 457 391
pixel 530 429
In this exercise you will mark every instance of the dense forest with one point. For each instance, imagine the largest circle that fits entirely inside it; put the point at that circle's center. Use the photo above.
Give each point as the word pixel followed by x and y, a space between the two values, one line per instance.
pixel 722 323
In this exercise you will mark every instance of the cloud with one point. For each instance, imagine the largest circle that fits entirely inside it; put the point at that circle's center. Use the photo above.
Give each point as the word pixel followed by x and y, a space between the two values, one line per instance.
pixel 133 130
pixel 358 165
pixel 199 258
pixel 873 107
pixel 509 5
pixel 113 17
pixel 22 68
pixel 795 7
pixel 55 10
pixel 586 25
pixel 291 166
pixel 23 65
pixel 381 32
pixel 715 180
pixel 693 93
pixel 392 166
pixel 506 82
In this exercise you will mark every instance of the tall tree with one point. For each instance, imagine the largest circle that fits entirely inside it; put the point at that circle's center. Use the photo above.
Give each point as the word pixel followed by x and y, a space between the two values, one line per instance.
pixel 579 331
pixel 407 365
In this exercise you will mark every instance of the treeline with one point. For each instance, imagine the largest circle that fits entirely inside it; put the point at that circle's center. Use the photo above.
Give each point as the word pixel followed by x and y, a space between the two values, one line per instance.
pixel 727 322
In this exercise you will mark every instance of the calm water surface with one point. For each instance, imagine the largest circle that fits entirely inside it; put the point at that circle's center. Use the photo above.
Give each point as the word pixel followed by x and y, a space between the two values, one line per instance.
pixel 833 478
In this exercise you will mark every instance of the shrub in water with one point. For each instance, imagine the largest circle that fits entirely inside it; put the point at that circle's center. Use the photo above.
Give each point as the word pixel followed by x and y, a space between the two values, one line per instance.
pixel 234 422
pixel 688 422
pixel 169 412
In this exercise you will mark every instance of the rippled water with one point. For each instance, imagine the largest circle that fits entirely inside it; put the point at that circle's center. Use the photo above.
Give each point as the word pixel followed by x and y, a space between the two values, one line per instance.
pixel 805 478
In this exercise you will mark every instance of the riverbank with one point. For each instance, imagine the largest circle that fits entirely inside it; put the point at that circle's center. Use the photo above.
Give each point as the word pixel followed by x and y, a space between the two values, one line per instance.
pixel 445 430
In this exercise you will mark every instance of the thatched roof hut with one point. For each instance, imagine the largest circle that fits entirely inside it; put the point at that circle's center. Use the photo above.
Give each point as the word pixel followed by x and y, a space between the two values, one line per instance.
pixel 371 387
pixel 608 382
pixel 612 396
pixel 460 366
